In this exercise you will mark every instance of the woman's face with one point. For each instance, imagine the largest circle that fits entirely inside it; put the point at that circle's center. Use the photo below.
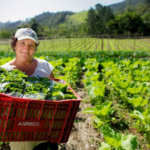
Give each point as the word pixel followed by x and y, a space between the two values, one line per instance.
pixel 25 49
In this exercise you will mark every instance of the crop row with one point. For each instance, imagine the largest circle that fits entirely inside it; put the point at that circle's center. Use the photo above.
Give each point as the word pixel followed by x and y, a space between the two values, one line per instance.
pixel 119 92
pixel 88 44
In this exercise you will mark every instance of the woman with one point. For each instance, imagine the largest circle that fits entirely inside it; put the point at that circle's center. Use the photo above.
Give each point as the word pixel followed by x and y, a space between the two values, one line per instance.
pixel 24 44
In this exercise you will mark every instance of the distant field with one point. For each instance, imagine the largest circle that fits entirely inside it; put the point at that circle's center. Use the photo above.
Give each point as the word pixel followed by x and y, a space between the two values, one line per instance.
pixel 87 44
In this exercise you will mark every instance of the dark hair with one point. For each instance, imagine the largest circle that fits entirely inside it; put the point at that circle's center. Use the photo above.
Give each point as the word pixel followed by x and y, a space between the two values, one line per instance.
pixel 14 41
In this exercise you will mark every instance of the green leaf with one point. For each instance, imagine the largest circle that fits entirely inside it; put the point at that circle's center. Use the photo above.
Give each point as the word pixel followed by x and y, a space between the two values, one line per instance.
pixel 138 114
pixel 129 142
pixel 105 109
pixel 111 137
pixel 99 110
pixel 134 90
pixel 89 110
pixel 137 101
pixel 104 146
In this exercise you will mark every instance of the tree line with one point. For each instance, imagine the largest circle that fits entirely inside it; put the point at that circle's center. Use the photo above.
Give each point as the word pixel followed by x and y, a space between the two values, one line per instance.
pixel 100 21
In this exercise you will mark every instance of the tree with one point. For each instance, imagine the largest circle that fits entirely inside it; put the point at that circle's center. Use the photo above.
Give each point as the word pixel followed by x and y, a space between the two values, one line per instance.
pixel 5 34
pixel 91 21
pixel 44 31
pixel 146 19
pixel 34 25
pixel 39 29
pixel 129 22
pixel 147 2
pixel 128 5
pixel 82 29
pixel 104 14
pixel 98 18
pixel 63 29
pixel 23 26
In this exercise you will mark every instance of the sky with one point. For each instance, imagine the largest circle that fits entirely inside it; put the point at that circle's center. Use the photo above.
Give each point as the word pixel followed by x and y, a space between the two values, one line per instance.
pixel 14 10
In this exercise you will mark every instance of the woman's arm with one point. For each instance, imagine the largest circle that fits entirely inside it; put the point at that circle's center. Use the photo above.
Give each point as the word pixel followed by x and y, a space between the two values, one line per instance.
pixel 52 76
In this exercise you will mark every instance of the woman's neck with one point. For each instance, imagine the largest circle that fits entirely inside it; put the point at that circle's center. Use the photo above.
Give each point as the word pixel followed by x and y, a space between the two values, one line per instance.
pixel 26 66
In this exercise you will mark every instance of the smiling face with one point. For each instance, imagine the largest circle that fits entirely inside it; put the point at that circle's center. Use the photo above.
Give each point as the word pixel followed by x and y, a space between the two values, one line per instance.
pixel 25 49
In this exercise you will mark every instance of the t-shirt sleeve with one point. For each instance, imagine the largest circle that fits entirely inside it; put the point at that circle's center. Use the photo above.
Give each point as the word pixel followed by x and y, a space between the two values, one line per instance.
pixel 50 67
pixel 7 67
pixel 44 69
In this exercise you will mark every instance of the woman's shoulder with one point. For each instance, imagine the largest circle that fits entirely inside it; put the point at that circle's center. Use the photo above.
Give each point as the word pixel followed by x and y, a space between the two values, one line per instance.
pixel 41 60
pixel 7 66
pixel 43 63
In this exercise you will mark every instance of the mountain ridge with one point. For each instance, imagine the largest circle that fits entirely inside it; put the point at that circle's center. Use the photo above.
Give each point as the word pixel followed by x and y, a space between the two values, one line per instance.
pixel 51 19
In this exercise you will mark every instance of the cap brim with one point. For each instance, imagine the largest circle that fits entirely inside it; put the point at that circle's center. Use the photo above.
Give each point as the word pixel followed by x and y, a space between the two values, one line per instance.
pixel 26 37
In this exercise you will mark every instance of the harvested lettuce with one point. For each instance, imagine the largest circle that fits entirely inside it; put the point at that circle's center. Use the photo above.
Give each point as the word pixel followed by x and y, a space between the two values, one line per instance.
pixel 34 95
pixel 14 94
pixel 57 96
pixel 17 84
pixel 2 86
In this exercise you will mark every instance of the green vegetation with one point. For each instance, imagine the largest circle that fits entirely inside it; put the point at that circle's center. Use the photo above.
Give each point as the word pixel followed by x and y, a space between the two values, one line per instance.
pixel 17 84
pixel 123 84
pixel 88 44
pixel 78 17
pixel 117 84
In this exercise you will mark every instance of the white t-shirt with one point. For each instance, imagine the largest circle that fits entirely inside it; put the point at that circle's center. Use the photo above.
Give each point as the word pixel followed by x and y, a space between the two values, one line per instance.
pixel 43 69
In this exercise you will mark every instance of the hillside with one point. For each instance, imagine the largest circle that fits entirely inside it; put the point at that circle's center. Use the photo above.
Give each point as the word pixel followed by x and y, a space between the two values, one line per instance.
pixel 46 18
pixel 70 18
pixel 119 7
pixel 53 19
pixel 10 25
pixel 78 18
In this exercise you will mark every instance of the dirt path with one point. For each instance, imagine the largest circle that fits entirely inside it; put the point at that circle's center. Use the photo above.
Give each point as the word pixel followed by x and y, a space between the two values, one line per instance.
pixel 83 135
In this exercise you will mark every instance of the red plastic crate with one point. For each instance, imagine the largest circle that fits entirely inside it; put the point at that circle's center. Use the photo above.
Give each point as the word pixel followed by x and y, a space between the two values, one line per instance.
pixel 36 120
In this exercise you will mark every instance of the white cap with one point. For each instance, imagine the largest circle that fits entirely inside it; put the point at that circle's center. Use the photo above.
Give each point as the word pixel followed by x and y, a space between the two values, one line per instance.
pixel 26 33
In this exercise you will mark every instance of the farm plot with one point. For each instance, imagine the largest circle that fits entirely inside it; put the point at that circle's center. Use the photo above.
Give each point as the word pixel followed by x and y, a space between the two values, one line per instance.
pixel 87 44
pixel 118 94
pixel 94 44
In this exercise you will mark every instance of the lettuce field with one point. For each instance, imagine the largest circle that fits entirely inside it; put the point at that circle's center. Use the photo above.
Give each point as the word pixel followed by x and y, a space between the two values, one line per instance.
pixel 117 84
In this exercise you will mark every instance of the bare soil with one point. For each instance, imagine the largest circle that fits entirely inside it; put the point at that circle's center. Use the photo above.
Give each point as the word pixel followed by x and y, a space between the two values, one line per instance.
pixel 83 135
